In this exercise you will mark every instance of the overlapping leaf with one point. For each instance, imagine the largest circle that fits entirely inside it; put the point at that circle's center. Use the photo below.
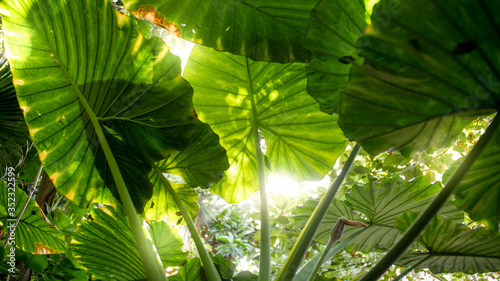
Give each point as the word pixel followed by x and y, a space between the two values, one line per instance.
pixel 168 244
pixel 381 203
pixel 269 30
pixel 75 76
pixel 34 233
pixel 337 210
pixel 162 205
pixel 191 271
pixel 452 247
pixel 104 245
pixel 202 163
pixel 384 202
pixel 479 191
pixel 423 77
pixel 13 130
pixel 230 91
pixel 334 28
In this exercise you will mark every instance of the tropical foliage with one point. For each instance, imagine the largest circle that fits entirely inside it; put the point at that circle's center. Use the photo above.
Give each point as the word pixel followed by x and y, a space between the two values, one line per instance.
pixel 394 102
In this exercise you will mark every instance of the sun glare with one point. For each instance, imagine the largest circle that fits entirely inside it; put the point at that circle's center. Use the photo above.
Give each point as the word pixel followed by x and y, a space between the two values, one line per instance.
pixel 277 185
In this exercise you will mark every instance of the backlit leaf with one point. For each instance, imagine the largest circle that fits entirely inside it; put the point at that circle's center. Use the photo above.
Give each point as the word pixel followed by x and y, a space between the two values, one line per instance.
pixel 452 247
pixel 34 233
pixel 105 246
pixel 270 30
pixel 430 67
pixel 76 75
pixel 302 142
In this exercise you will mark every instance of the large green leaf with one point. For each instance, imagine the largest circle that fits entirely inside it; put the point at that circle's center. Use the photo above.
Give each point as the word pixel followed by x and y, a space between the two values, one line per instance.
pixel 452 247
pixel 104 245
pixel 423 77
pixel 302 142
pixel 13 130
pixel 34 233
pixel 381 203
pixel 384 202
pixel 202 163
pixel 334 28
pixel 76 75
pixel 270 30
pixel 479 191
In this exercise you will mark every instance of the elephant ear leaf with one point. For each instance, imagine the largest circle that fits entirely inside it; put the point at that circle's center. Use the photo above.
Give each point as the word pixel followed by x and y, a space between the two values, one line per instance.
pixel 202 163
pixel 104 243
pixel 479 191
pixel 271 30
pixel 423 79
pixel 34 233
pixel 92 90
pixel 13 130
pixel 381 203
pixel 302 142
pixel 330 61
pixel 452 247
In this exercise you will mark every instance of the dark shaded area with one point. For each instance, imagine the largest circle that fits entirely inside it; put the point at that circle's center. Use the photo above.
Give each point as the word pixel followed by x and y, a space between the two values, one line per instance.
pixel 465 47
pixel 346 59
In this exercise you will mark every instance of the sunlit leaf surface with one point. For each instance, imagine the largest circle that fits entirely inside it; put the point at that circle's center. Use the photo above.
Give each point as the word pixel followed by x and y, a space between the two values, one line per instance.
pixel 452 247
pixel 75 75
pixel 430 67
pixel 302 142
pixel 34 233
pixel 104 245
pixel 270 30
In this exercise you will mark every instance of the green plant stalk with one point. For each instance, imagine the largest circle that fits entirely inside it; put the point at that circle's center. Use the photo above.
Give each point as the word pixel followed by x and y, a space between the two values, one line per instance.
pixel 302 273
pixel 307 234
pixel 336 235
pixel 152 264
pixel 425 217
pixel 208 264
pixel 265 229
pixel 408 270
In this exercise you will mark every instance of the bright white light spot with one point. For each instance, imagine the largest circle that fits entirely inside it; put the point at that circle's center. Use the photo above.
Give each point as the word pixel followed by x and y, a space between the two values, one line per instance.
pixel 245 265
pixel 278 184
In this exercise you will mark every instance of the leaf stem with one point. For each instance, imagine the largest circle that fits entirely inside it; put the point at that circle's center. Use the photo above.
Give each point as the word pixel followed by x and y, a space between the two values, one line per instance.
pixel 37 178
pixel 306 271
pixel 306 236
pixel 337 231
pixel 265 232
pixel 211 271
pixel 425 217
pixel 152 264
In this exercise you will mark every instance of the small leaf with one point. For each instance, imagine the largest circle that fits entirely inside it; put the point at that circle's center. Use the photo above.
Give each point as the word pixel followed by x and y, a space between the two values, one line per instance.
pixel 34 233
pixel 162 203
pixel 191 271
